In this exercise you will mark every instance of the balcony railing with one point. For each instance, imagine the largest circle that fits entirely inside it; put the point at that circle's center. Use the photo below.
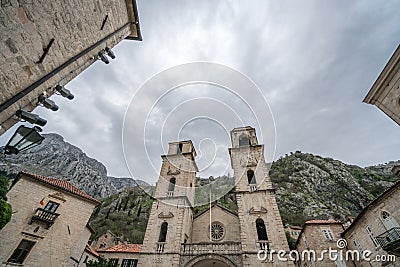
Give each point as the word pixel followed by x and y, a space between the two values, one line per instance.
pixel 263 245
pixel 45 216
pixel 252 187
pixel 211 248
pixel 160 246
pixel 390 240
pixel 170 193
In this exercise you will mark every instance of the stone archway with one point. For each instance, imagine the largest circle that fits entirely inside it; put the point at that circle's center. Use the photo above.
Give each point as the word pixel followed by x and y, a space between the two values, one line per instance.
pixel 210 263
pixel 212 260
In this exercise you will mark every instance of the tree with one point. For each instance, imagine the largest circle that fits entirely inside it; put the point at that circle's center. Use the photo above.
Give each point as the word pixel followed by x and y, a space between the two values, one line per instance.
pixel 102 262
pixel 5 208
pixel 5 213
pixel 291 241
pixel 3 187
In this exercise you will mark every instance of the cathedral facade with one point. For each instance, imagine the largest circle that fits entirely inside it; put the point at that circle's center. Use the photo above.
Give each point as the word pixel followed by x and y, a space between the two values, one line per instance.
pixel 216 237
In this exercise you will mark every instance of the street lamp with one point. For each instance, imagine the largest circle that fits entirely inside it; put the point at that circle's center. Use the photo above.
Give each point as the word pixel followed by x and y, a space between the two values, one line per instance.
pixel 23 138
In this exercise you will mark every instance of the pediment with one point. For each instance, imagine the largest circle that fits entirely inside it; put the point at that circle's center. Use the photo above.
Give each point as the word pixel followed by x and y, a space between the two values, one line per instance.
pixel 257 211
pixel 176 172
pixel 163 215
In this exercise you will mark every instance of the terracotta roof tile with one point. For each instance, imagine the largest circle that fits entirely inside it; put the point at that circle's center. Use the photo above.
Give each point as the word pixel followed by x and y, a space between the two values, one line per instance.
pixel 61 184
pixel 322 222
pixel 91 250
pixel 133 248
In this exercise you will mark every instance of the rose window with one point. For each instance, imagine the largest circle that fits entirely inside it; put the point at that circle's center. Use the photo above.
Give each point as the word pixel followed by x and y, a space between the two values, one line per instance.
pixel 217 231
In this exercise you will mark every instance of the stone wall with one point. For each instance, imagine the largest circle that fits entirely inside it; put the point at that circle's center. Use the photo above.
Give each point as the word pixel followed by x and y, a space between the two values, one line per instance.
pixel 106 240
pixel 372 218
pixel 201 226
pixel 313 238
pixel 172 208
pixel 66 238
pixel 255 201
pixel 29 26
pixel 385 92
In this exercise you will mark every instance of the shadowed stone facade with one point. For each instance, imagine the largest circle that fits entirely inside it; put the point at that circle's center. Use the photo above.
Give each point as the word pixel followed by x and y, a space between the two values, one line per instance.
pixel 216 237
pixel 385 93
pixel 377 229
pixel 49 214
pixel 48 43
pixel 320 235
pixel 106 240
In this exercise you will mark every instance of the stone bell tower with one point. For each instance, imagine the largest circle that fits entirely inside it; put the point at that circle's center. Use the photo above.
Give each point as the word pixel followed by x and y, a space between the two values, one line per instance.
pixel 260 222
pixel 170 221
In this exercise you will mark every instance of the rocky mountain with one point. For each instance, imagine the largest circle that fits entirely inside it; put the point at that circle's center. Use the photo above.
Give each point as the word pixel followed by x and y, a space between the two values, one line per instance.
pixel 307 186
pixel 59 159
pixel 124 182
pixel 310 186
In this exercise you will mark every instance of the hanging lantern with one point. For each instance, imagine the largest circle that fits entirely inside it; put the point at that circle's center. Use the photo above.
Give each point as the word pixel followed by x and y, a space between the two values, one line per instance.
pixel 23 139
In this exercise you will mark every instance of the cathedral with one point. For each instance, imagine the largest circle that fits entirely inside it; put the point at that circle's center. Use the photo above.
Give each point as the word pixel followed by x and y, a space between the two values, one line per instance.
pixel 216 237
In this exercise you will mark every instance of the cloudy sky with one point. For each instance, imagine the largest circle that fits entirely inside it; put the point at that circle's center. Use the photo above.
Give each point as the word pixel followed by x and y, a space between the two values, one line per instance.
pixel 313 61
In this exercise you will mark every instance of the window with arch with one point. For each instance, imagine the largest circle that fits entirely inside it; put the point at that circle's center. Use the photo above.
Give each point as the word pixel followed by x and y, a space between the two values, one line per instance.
pixel 163 232
pixel 385 215
pixel 180 146
pixel 251 178
pixel 171 186
pixel 244 140
pixel 388 221
pixel 261 230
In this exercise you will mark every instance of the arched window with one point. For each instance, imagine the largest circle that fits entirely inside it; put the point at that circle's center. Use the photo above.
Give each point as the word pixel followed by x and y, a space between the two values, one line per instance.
pixel 388 221
pixel 180 146
pixel 171 186
pixel 244 140
pixel 261 230
pixel 385 215
pixel 163 232
pixel 251 178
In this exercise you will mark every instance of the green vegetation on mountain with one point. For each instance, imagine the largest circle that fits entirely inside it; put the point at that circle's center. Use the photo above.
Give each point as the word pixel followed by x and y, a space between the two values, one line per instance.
pixel 307 187
pixel 312 187
pixel 125 214
pixel 5 208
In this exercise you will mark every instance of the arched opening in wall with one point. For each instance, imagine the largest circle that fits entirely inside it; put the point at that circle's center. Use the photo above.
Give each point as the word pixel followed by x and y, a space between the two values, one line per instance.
pixel 251 178
pixel 163 232
pixel 180 146
pixel 171 186
pixel 244 140
pixel 261 230
pixel 388 221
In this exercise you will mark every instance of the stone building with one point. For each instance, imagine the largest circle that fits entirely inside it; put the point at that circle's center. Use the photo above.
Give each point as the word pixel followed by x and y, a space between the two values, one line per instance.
pixel 49 223
pixel 125 255
pixel 376 229
pixel 46 44
pixel 317 236
pixel 89 254
pixel 216 237
pixel 385 92
pixel 106 240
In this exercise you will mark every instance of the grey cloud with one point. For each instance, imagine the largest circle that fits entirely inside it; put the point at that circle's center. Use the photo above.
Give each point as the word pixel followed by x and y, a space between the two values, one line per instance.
pixel 314 62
